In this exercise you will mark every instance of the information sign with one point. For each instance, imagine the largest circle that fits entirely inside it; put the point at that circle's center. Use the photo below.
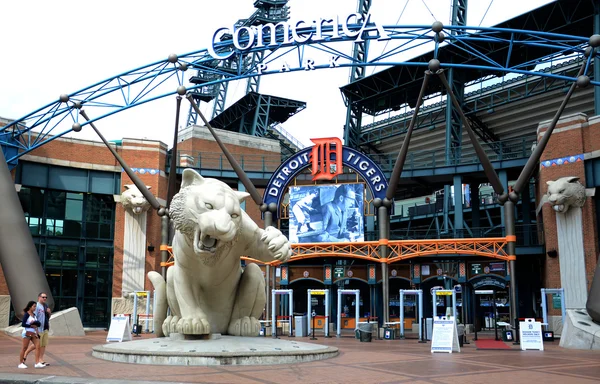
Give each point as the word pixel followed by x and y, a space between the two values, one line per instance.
pixel 530 332
pixel 119 329
pixel 338 272
pixel 444 293
pixel 445 336
pixel 556 304
pixel 317 292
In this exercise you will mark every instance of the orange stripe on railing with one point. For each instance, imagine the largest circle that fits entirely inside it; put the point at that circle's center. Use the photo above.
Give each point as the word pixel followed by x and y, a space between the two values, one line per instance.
pixel 164 247
pixel 511 238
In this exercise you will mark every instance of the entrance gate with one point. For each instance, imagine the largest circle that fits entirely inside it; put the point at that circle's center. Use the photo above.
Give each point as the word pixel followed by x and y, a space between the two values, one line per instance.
pixel 444 292
pixel 290 294
pixel 341 292
pixel 318 292
pixel 418 315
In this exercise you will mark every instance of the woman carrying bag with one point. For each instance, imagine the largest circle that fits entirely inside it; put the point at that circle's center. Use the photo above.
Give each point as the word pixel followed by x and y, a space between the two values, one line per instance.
pixel 30 333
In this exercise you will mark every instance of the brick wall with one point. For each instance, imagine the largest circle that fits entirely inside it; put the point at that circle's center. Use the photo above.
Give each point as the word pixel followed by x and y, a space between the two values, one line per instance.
pixel 573 135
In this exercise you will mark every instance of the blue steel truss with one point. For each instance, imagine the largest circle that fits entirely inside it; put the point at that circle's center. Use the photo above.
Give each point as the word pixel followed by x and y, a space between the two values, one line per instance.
pixel 162 78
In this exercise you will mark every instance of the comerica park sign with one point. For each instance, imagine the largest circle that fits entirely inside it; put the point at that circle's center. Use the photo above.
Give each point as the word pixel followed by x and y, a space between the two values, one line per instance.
pixel 245 38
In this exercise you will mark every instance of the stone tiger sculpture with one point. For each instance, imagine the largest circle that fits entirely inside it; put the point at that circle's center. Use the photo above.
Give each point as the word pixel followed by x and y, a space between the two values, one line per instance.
pixel 564 193
pixel 133 199
pixel 206 289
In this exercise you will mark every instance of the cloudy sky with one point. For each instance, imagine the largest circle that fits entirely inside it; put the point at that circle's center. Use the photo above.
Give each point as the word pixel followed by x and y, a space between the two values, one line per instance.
pixel 52 47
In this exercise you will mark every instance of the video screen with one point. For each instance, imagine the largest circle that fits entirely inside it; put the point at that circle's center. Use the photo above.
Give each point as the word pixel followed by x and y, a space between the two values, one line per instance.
pixel 327 213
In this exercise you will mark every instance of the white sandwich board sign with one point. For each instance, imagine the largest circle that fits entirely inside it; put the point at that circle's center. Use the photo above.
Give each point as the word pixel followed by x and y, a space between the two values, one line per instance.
pixel 445 336
pixel 530 335
pixel 119 329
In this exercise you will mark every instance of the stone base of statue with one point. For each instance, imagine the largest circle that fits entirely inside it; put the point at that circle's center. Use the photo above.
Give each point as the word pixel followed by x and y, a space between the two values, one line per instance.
pixel 216 350
pixel 579 331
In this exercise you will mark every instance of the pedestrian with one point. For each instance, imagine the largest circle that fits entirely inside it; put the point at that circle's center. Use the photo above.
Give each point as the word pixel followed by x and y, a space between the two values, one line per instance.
pixel 42 314
pixel 30 334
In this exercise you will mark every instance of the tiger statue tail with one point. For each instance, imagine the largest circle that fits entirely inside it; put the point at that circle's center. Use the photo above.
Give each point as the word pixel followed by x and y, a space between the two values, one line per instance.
pixel 160 296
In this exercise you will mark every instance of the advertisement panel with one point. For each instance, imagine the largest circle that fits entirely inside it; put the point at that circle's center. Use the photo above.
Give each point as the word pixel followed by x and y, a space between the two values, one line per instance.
pixel 327 213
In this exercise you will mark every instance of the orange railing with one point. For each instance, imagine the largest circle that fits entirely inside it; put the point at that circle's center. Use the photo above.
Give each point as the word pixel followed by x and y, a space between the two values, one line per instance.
pixel 398 250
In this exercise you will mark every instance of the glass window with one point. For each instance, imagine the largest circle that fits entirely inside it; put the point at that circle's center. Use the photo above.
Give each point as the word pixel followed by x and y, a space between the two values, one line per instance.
pixel 72 228
pixel 53 277
pixel 67 302
pixel 69 282
pixel 91 230
pixel 106 231
pixel 52 255
pixel 105 257
pixel 56 205
pixel 104 284
pixel 74 206
pixel 69 256
pixel 91 257
pixel 90 284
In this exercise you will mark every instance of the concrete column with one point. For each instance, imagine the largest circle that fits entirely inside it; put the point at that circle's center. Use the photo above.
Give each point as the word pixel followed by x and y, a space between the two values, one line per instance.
pixel 571 256
pixel 134 252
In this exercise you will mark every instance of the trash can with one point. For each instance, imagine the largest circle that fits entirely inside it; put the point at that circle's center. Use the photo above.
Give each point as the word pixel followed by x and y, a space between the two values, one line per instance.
pixel 365 332
pixel 389 333
pixel 301 326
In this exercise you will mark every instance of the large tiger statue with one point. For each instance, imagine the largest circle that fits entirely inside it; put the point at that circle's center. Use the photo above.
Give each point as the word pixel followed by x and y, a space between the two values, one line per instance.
pixel 206 289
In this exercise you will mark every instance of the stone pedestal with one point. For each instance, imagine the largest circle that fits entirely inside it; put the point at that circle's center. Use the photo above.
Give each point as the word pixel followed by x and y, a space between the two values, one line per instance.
pixel 4 311
pixel 134 252
pixel 555 323
pixel 580 332
pixel 572 258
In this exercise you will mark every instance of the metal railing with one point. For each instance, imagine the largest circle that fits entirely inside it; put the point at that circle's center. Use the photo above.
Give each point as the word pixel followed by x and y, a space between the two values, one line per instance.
pixel 287 135
pixel 218 161
pixel 501 150
pixel 527 234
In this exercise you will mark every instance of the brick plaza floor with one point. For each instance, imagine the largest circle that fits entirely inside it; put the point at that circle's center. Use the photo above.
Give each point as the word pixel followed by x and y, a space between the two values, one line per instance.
pixel 381 361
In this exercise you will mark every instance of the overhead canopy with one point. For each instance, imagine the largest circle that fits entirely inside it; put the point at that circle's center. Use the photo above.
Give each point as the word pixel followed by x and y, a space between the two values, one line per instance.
pixel 391 88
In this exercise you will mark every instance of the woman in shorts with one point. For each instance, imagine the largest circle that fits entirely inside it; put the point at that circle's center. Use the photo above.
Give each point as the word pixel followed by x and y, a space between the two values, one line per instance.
pixel 30 333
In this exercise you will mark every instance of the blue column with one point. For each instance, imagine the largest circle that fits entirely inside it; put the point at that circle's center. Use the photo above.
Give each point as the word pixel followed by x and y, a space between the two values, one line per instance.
pixel 475 215
pixel 458 206
pixel 504 180
pixel 241 188
pixel 596 60
pixel 445 226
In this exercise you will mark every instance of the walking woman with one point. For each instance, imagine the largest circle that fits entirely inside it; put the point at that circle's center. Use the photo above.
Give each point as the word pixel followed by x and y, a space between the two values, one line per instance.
pixel 30 333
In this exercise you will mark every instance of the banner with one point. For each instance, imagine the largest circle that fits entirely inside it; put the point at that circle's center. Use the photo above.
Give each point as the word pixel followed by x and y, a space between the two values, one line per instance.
pixel 327 213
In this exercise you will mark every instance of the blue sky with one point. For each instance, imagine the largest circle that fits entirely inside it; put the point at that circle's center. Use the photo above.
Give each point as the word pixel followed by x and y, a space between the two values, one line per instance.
pixel 52 47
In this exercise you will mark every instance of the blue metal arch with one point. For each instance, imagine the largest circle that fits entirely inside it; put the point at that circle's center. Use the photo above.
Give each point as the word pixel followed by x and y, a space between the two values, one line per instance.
pixel 161 79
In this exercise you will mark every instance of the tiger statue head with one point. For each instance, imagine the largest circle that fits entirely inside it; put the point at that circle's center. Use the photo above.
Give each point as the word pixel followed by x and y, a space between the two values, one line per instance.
pixel 208 213
pixel 133 199
pixel 564 193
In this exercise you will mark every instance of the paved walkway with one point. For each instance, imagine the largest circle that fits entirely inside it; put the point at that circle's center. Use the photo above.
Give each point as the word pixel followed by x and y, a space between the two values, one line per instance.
pixel 381 361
